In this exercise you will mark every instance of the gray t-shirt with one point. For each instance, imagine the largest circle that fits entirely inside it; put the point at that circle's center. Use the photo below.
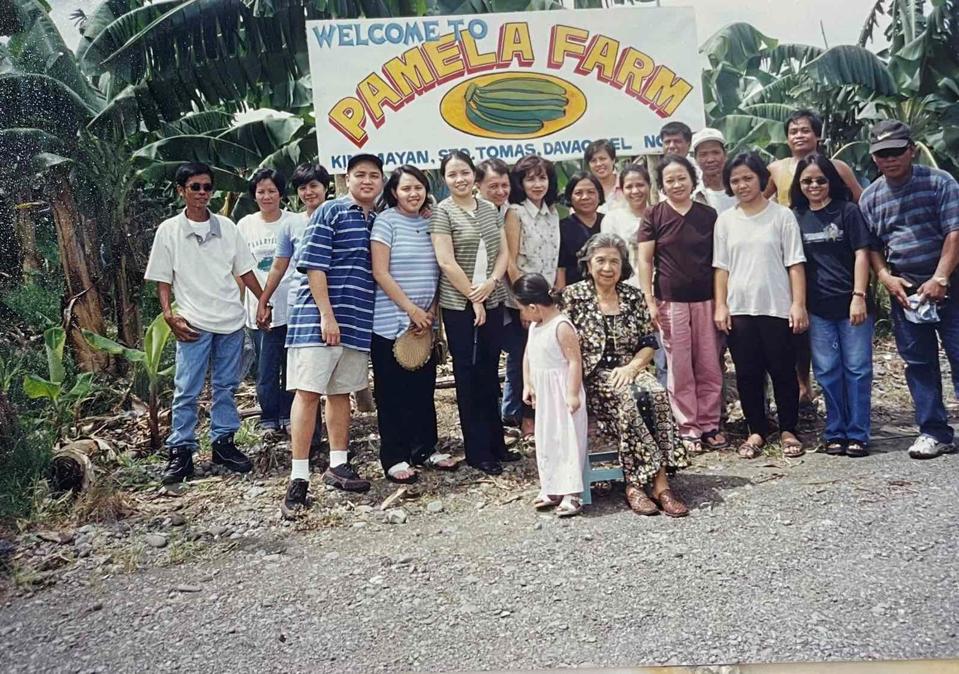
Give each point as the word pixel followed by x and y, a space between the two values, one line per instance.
pixel 756 250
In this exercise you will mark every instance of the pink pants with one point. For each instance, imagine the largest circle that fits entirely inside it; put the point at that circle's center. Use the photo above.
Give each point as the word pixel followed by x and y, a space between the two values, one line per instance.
pixel 694 376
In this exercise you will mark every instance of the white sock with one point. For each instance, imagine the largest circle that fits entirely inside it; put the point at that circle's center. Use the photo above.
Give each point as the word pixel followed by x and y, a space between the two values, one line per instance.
pixel 338 457
pixel 301 470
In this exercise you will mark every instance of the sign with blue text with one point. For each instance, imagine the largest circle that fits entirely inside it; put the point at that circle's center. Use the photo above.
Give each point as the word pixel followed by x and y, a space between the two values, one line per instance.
pixel 502 85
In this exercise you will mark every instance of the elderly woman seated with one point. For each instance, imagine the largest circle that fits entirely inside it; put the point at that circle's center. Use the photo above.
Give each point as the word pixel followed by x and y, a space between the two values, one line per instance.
pixel 622 397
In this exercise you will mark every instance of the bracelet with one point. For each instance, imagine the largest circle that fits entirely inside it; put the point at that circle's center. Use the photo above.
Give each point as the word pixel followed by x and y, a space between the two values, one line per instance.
pixel 856 293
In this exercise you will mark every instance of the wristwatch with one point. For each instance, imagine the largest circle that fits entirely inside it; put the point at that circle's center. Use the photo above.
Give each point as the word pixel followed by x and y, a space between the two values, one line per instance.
pixel 941 280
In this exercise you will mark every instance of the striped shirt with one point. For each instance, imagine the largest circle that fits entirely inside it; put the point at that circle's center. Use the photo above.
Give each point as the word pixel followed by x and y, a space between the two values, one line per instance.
pixel 337 241
pixel 289 243
pixel 467 229
pixel 912 220
pixel 412 265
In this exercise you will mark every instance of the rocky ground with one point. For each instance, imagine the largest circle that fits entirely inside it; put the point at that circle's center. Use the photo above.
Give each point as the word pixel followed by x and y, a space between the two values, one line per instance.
pixel 817 558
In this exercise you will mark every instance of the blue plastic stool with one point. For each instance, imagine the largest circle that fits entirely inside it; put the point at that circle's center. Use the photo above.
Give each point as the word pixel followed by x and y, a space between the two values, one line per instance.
pixel 605 474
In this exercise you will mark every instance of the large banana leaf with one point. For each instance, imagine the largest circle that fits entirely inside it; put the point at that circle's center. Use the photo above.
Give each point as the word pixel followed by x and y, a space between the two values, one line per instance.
pixel 738 45
pixel 263 136
pixel 18 147
pixel 199 123
pixel 163 172
pixel 847 65
pixel 206 149
pixel 40 101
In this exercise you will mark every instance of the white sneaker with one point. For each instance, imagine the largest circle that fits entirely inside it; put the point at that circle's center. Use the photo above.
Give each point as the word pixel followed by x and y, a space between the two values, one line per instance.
pixel 927 447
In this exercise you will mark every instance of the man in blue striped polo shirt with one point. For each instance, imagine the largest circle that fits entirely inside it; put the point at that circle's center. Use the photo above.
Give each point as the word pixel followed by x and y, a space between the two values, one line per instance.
pixel 913 210
pixel 330 327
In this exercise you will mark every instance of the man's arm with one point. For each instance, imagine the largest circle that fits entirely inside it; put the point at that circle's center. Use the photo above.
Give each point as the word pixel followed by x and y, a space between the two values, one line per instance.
pixel 933 289
pixel 181 329
pixel 848 177
pixel 896 285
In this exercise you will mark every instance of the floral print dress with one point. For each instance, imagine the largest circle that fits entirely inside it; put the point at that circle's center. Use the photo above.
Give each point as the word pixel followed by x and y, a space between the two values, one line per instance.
pixel 639 417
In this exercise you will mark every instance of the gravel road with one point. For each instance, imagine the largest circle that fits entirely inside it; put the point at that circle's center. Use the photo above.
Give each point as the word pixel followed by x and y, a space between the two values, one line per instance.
pixel 824 558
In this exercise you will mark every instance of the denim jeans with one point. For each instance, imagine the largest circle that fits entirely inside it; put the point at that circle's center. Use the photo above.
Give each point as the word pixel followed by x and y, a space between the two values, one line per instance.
pixel 275 401
pixel 514 345
pixel 842 363
pixel 918 346
pixel 221 354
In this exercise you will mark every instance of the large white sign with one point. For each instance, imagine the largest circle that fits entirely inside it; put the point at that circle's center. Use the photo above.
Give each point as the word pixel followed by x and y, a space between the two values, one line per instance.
pixel 502 85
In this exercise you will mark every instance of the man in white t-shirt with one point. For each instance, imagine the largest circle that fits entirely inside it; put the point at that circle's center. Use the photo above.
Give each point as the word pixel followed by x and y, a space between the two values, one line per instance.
pixel 709 151
pixel 197 257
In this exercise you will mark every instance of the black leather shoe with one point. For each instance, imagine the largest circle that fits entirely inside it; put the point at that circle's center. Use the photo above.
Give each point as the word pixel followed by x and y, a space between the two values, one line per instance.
pixel 489 467
pixel 509 456
pixel 179 467
pixel 297 500
pixel 226 454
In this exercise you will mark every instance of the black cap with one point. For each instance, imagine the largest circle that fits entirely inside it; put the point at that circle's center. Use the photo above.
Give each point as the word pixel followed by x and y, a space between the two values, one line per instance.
pixel 889 134
pixel 357 158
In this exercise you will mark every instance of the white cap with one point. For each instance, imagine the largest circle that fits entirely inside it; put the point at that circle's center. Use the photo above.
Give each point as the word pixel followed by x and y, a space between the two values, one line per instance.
pixel 702 136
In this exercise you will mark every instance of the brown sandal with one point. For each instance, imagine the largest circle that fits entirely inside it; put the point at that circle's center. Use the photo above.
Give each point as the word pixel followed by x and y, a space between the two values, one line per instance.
pixel 792 449
pixel 670 504
pixel 640 502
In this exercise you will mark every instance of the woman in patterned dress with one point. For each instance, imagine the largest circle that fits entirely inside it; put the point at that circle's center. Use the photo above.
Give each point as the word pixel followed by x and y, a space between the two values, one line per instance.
pixel 624 400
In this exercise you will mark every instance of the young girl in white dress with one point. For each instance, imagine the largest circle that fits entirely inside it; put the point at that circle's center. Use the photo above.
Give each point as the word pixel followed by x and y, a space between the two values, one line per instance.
pixel 553 385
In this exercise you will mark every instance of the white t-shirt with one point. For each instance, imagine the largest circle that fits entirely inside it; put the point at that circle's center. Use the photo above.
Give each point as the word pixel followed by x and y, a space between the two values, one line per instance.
pixel 756 251
pixel 261 236
pixel 202 270
pixel 621 221
pixel 717 199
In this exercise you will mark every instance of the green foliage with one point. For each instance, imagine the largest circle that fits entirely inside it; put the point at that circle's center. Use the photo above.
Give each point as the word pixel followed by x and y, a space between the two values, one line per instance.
pixel 36 304
pixel 53 388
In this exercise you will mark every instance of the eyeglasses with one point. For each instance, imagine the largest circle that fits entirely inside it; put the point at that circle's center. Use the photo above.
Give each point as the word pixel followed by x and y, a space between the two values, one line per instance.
pixel 890 153
pixel 200 187
pixel 806 182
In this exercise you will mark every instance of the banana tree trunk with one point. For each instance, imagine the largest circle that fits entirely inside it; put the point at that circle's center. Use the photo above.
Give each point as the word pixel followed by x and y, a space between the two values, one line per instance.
pixel 26 234
pixel 85 306
pixel 127 312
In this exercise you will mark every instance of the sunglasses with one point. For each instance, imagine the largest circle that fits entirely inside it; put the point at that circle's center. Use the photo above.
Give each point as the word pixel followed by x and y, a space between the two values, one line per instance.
pixel 891 152
pixel 806 182
pixel 200 187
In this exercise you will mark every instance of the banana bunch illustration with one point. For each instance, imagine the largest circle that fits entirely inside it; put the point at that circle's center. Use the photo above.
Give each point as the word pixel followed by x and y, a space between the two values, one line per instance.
pixel 516 105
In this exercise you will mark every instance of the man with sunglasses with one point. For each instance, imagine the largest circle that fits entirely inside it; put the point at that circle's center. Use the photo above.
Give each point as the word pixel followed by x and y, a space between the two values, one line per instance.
pixel 197 257
pixel 914 212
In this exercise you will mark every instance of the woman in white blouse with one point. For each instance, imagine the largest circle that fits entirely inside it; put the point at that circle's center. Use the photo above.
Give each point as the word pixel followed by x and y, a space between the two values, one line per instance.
pixel 624 221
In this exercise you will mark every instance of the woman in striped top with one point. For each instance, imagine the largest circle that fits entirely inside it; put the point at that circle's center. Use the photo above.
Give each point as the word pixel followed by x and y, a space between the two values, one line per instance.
pixel 471 251
pixel 406 274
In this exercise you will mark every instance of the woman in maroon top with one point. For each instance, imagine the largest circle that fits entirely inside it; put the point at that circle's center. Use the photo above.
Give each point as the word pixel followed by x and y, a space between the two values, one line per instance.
pixel 676 276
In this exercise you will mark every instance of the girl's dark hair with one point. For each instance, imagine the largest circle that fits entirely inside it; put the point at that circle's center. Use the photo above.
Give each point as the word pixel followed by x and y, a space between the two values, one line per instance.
pixel 306 173
pixel 675 159
pixel 600 145
pixel 457 154
pixel 753 162
pixel 531 165
pixel 487 166
pixel 267 174
pixel 533 289
pixel 837 188
pixel 576 179
pixel 634 168
pixel 389 200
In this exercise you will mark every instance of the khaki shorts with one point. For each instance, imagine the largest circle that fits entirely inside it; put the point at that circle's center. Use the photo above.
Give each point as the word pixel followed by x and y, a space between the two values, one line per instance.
pixel 331 370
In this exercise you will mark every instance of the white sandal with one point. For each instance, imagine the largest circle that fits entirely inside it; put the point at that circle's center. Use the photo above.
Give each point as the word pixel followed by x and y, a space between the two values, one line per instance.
pixel 570 506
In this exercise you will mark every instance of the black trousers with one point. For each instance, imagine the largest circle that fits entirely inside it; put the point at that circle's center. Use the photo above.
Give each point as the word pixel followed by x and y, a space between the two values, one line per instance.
pixel 405 406
pixel 475 353
pixel 761 345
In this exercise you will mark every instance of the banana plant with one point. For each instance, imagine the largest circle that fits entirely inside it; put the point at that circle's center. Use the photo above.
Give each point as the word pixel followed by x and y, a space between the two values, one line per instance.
pixel 148 361
pixel 53 388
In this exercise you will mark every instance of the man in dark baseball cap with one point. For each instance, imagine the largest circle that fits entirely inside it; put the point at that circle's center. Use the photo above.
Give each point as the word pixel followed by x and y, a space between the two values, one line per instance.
pixel 889 134
pixel 364 157
pixel 913 211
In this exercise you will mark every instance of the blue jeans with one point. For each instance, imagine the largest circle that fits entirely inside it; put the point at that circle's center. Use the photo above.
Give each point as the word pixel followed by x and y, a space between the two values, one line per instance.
pixel 842 363
pixel 918 346
pixel 514 344
pixel 223 353
pixel 275 401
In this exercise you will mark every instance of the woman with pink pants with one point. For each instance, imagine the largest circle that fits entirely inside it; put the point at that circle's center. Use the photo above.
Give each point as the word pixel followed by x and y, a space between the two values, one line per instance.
pixel 676 276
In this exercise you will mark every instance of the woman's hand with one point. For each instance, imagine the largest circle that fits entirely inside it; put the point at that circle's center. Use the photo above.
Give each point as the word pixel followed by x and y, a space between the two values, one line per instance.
pixel 621 377
pixel 480 312
pixel 653 306
pixel 798 319
pixel 573 402
pixel 857 310
pixel 529 395
pixel 419 318
pixel 722 319
pixel 482 291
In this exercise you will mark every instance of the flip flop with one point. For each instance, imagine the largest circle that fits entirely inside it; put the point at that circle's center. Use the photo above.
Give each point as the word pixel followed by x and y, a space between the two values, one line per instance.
pixel 439 461
pixel 570 507
pixel 709 440
pixel 792 449
pixel 402 468
pixel 543 502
